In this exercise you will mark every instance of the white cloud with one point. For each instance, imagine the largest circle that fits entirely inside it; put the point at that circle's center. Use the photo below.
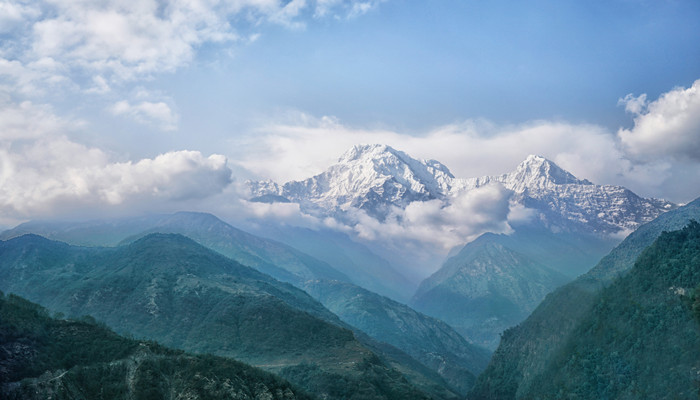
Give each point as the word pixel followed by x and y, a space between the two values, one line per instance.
pixel 667 127
pixel 633 105
pixel 121 40
pixel 29 121
pixel 44 173
pixel 439 224
pixel 146 112
pixel 13 13
pixel 302 146
pixel 306 146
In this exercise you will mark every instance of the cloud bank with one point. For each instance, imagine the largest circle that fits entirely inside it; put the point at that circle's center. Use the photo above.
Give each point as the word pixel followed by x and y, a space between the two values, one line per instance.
pixel 659 156
pixel 44 173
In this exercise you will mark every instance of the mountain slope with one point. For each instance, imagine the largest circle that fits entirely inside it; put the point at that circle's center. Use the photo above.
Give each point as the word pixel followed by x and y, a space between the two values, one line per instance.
pixel 168 288
pixel 640 338
pixel 273 258
pixel 526 349
pixel 486 288
pixel 353 259
pixel 430 341
pixel 48 358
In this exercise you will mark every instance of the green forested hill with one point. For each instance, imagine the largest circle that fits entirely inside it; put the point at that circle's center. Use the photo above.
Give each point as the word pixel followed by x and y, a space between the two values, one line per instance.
pixel 168 288
pixel 273 258
pixel 430 341
pixel 527 349
pixel 42 358
pixel 640 339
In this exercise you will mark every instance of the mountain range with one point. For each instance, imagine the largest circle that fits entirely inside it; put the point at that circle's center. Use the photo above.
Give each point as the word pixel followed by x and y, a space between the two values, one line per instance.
pixel 375 178
pixel 168 288
pixel 527 350
pixel 261 253
pixel 341 316
pixel 498 279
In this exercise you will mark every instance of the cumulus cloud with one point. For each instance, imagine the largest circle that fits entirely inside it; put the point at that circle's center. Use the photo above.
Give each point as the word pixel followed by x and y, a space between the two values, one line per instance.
pixel 153 113
pixel 666 127
pixel 43 172
pixel 442 225
pixel 126 40
pixel 103 47
pixel 27 120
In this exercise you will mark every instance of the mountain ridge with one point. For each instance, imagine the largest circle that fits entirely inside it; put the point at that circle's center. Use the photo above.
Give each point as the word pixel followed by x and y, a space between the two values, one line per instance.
pixel 376 178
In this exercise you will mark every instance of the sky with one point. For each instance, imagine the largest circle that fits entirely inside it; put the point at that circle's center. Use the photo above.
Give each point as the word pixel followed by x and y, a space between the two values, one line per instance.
pixel 126 107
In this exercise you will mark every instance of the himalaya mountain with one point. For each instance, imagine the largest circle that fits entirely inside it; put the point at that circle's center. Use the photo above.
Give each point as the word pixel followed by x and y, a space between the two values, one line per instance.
pixel 527 351
pixel 168 288
pixel 496 281
pixel 376 178
pixel 372 178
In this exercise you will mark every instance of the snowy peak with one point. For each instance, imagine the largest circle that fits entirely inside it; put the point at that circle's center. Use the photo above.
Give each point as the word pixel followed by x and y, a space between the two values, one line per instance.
pixel 386 160
pixel 371 151
pixel 377 178
pixel 537 172
pixel 371 177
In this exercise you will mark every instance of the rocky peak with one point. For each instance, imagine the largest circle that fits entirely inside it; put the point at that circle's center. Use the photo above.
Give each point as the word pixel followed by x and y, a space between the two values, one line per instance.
pixel 537 171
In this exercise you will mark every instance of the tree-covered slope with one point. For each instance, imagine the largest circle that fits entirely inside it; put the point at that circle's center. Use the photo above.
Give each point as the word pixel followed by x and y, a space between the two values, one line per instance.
pixel 430 341
pixel 168 288
pixel 525 350
pixel 364 267
pixel 640 339
pixel 42 358
pixel 486 288
pixel 273 258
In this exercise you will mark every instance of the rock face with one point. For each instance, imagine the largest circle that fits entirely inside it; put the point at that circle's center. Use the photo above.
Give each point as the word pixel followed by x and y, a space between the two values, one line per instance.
pixel 376 178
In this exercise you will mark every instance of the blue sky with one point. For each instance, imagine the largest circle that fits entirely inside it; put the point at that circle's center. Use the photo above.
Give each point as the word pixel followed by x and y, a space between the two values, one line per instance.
pixel 132 105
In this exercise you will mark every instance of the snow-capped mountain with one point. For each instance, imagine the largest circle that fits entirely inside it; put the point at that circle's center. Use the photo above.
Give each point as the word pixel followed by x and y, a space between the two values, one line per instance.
pixel 562 199
pixel 375 178
pixel 372 178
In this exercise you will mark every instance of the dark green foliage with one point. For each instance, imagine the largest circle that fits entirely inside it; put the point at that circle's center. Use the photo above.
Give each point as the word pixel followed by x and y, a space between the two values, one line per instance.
pixel 48 358
pixel 428 340
pixel 372 381
pixel 526 350
pixel 168 288
pixel 640 339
